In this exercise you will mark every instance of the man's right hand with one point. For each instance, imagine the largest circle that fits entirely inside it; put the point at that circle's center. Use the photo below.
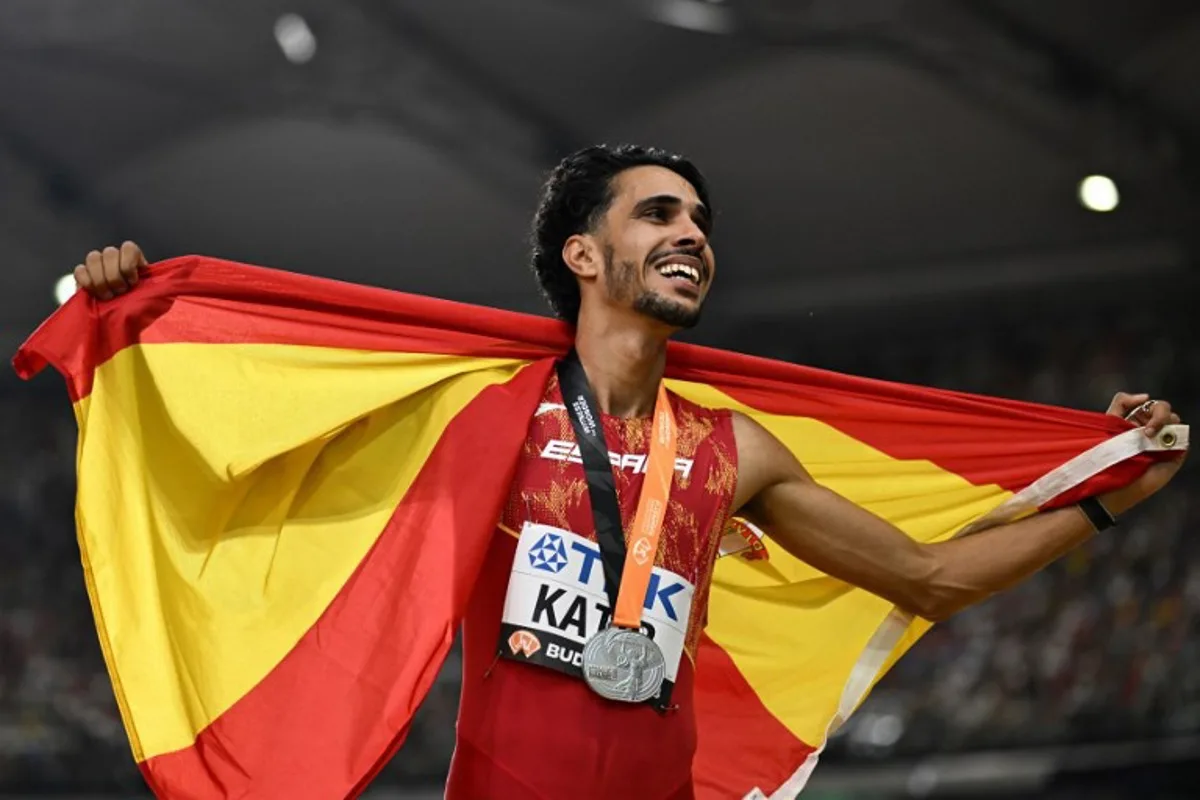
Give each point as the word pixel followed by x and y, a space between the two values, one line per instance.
pixel 109 272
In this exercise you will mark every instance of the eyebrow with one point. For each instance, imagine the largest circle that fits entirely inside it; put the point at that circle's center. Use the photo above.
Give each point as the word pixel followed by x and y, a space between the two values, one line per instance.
pixel 672 200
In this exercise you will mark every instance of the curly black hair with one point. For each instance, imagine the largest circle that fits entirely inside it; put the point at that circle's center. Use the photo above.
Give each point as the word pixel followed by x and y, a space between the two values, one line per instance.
pixel 575 196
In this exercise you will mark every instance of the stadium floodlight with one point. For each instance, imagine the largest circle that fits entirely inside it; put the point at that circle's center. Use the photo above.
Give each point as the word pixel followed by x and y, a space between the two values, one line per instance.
pixel 64 287
pixel 1099 193
pixel 295 38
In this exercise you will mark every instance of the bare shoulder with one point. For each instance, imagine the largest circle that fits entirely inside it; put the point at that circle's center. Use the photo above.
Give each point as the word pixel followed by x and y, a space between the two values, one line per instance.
pixel 753 440
pixel 763 460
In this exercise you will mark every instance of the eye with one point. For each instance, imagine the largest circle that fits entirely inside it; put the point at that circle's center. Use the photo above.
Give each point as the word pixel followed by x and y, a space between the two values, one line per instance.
pixel 656 212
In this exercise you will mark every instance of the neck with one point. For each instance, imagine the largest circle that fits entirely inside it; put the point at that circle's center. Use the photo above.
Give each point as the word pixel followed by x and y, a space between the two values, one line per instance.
pixel 624 360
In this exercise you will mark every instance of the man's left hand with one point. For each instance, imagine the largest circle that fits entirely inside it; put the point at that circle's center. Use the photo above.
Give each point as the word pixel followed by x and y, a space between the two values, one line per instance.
pixel 1141 410
pixel 1152 415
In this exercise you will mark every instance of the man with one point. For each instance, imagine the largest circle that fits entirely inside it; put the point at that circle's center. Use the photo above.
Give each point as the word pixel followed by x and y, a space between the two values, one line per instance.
pixel 622 252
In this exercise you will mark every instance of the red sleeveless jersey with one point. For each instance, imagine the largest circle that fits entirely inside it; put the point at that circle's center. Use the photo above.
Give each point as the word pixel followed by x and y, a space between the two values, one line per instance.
pixel 530 732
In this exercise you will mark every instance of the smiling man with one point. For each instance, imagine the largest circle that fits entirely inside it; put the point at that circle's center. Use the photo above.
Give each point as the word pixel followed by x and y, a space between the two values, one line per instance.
pixel 581 633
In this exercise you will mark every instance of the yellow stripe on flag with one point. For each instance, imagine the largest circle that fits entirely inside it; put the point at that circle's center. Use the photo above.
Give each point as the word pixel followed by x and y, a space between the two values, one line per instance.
pixel 265 495
pixel 762 612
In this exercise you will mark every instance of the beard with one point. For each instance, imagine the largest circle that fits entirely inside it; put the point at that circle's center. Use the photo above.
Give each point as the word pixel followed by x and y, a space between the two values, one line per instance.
pixel 622 279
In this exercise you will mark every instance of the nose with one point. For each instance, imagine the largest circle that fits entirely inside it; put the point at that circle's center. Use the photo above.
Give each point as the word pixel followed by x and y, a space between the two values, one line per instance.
pixel 690 234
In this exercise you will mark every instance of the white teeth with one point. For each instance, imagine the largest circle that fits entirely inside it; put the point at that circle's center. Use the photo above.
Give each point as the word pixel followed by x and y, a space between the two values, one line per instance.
pixel 683 270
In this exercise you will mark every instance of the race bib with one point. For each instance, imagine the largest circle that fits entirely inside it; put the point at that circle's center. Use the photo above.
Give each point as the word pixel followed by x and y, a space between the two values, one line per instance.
pixel 556 602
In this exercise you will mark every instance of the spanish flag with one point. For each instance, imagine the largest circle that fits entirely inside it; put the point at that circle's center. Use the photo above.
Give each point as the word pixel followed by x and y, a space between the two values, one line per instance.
pixel 286 487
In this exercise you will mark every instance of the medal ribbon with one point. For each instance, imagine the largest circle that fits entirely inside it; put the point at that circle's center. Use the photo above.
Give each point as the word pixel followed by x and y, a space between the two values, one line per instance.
pixel 626 574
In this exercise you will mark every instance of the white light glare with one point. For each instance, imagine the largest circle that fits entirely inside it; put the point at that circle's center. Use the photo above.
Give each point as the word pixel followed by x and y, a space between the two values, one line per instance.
pixel 64 288
pixel 886 730
pixel 295 38
pixel 705 16
pixel 1098 193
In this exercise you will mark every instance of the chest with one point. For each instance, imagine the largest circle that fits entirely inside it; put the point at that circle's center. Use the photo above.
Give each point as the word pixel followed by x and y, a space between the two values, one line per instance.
pixel 550 488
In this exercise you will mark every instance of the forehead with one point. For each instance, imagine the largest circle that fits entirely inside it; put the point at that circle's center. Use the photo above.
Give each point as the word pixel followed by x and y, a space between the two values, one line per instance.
pixel 637 183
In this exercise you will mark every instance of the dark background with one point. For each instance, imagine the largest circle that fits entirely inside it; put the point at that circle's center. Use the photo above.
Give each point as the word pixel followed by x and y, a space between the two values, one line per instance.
pixel 896 186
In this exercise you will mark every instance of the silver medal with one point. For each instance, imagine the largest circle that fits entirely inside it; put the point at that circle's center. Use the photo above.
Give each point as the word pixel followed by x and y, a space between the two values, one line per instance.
pixel 623 664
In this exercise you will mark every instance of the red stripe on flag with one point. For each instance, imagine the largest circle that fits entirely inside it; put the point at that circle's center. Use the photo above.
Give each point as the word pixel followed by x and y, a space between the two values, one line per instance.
pixel 741 744
pixel 330 715
pixel 204 300
pixel 986 440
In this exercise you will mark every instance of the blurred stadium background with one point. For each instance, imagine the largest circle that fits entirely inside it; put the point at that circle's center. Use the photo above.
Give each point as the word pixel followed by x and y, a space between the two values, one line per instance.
pixel 901 193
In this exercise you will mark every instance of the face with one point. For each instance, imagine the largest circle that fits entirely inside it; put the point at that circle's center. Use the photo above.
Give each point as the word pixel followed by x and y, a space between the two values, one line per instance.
pixel 653 247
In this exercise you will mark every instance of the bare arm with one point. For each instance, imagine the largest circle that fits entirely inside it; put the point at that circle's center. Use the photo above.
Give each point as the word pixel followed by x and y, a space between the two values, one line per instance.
pixel 933 581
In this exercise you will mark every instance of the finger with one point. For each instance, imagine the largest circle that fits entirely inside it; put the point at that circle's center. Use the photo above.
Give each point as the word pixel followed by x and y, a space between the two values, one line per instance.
pixel 1122 403
pixel 112 271
pixel 131 260
pixel 1175 420
pixel 1159 414
pixel 82 279
pixel 95 271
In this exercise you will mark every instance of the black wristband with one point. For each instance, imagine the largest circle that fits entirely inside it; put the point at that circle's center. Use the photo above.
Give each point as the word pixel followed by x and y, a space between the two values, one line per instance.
pixel 1100 517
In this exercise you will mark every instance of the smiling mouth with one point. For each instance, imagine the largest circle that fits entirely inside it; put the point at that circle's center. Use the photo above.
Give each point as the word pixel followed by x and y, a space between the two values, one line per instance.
pixel 679 271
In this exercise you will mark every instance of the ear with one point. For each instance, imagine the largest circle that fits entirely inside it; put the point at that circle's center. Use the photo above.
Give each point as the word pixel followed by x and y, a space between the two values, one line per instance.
pixel 582 256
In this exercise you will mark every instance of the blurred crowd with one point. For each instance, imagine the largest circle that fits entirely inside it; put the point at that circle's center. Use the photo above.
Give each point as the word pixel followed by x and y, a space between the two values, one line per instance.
pixel 1104 644
pixel 58 720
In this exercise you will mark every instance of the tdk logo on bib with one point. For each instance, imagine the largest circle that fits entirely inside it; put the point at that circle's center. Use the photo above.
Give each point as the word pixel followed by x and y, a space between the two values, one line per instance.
pixel 586 567
pixel 548 553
